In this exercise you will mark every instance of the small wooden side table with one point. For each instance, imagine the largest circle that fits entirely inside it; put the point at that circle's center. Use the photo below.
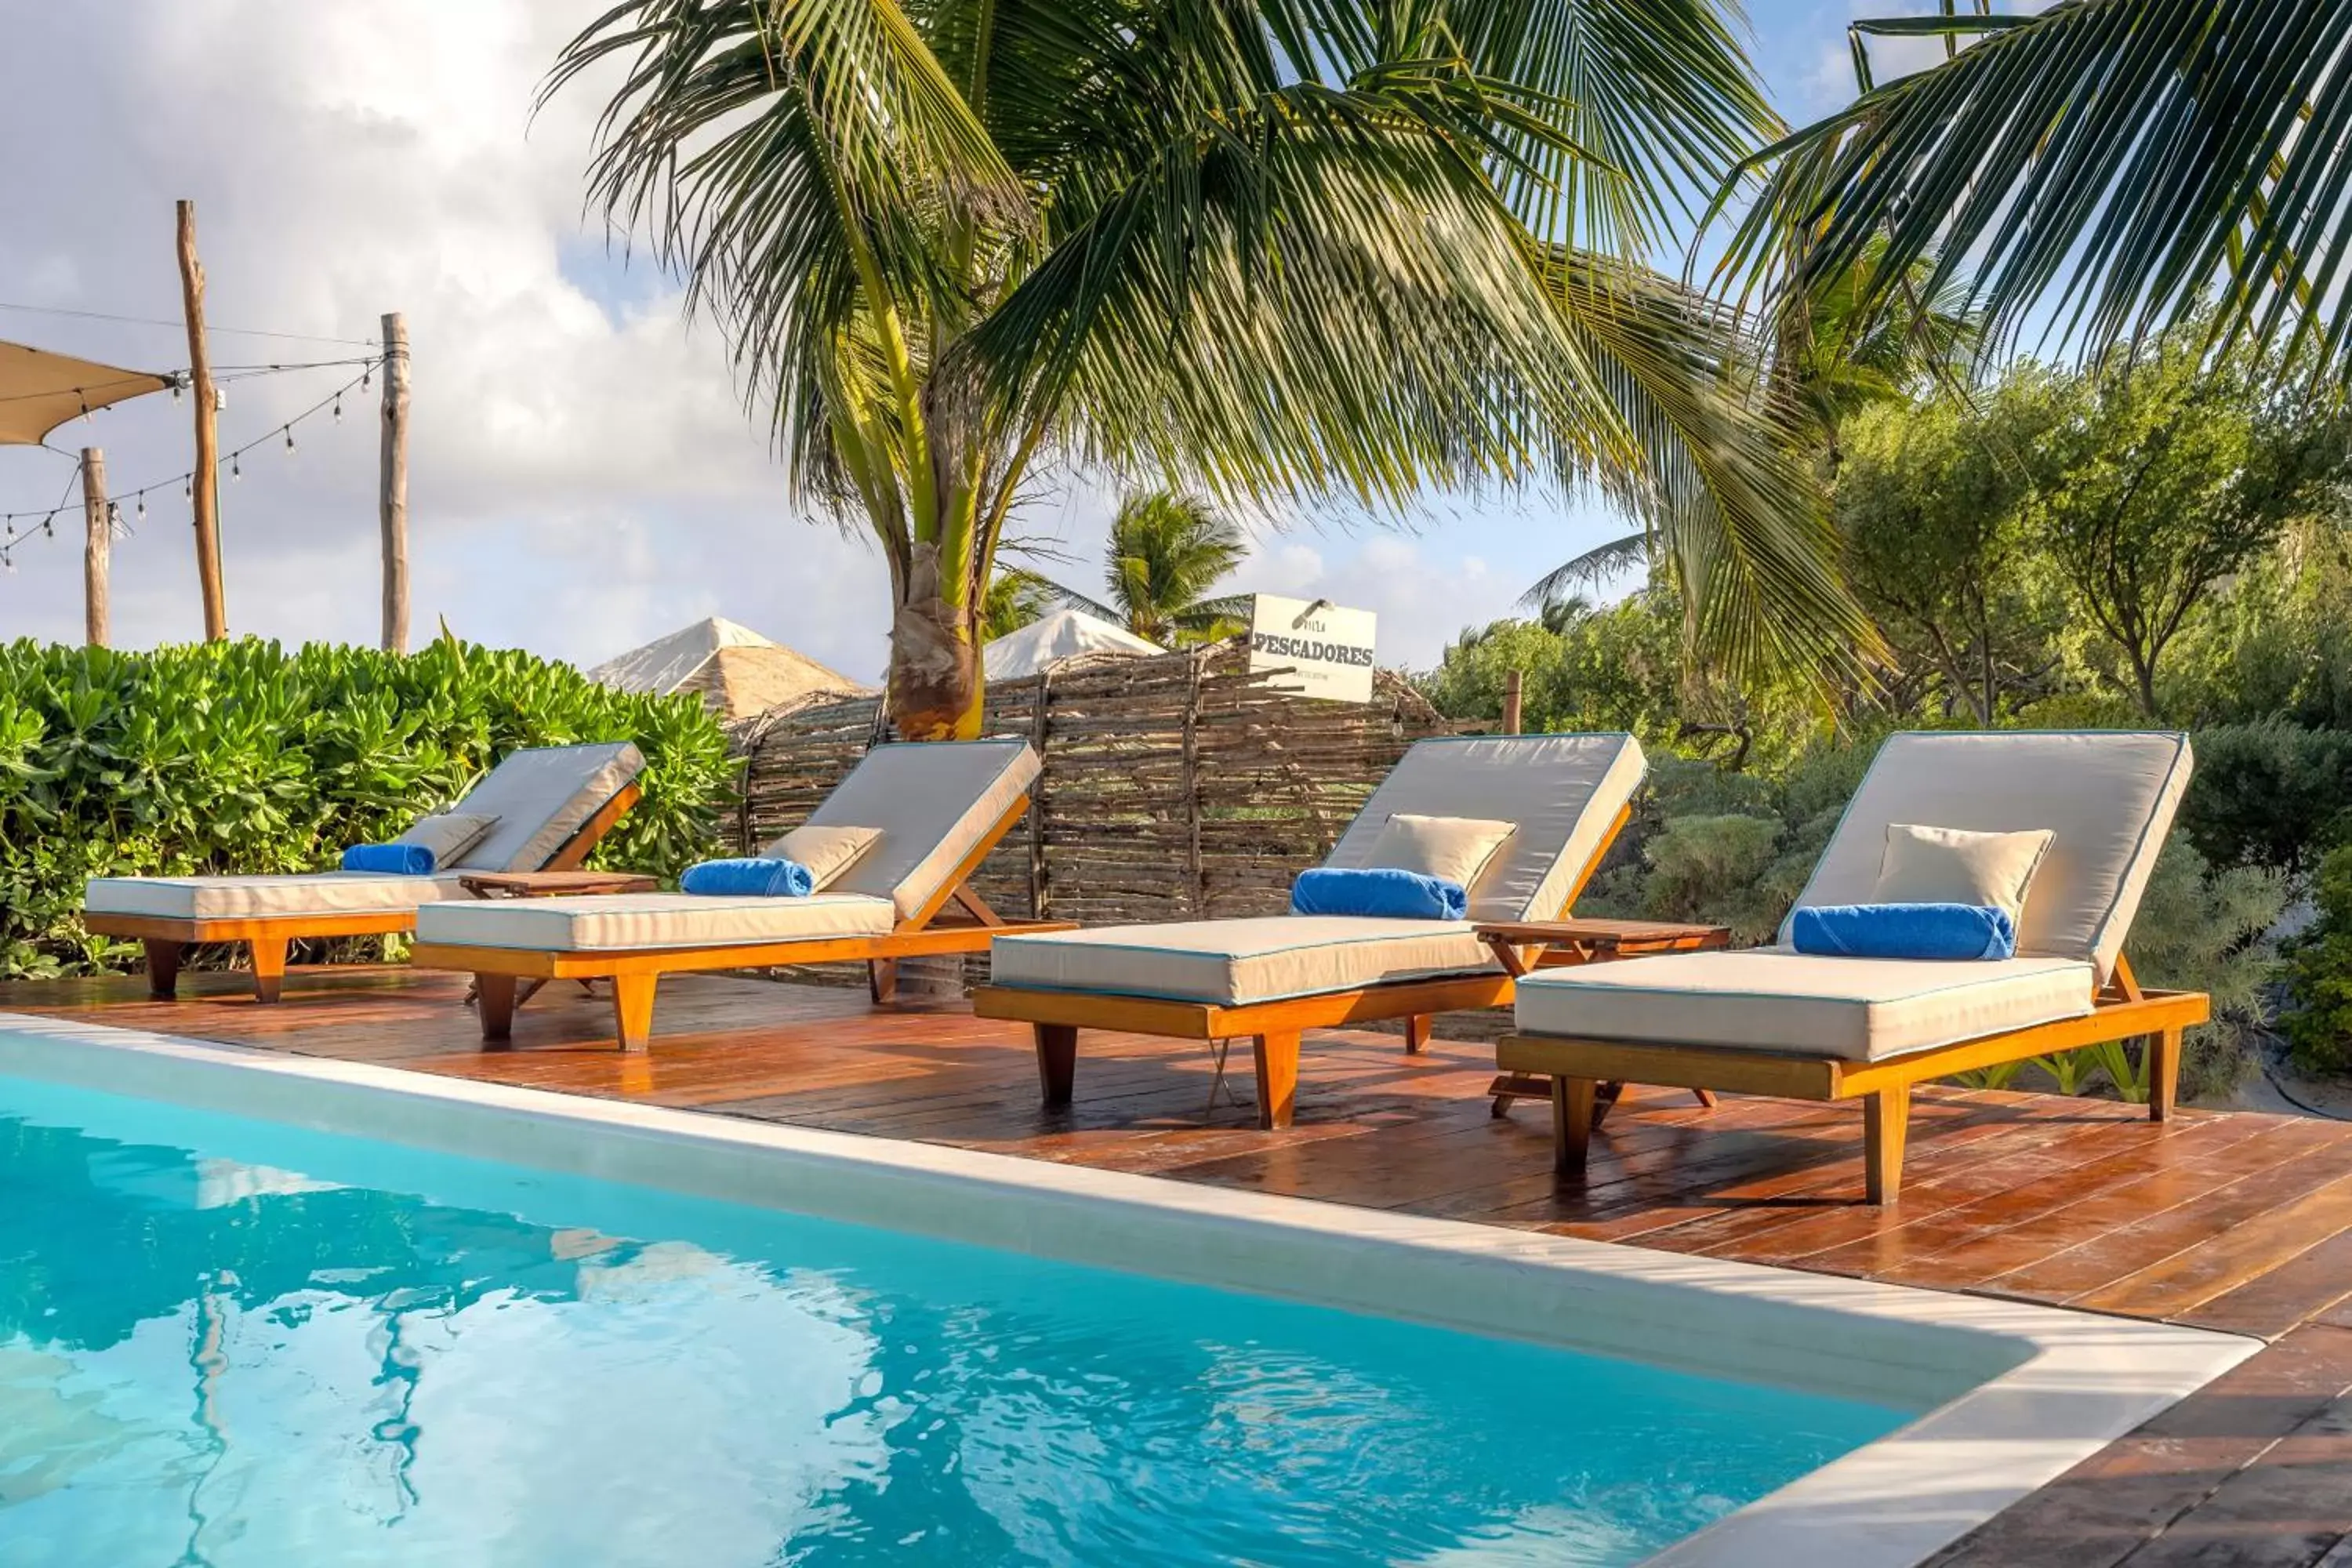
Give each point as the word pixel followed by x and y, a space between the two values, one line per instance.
pixel 555 884
pixel 1523 947
pixel 550 885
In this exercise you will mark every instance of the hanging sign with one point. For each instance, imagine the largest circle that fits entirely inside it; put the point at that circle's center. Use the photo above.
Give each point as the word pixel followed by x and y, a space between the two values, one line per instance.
pixel 1326 651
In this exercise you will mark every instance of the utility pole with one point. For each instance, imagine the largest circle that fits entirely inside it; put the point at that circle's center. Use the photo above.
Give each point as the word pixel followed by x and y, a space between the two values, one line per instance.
pixel 393 503
pixel 97 545
pixel 207 485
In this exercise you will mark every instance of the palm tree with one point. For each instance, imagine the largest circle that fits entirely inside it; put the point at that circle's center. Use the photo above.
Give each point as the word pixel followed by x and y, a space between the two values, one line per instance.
pixel 1016 597
pixel 1264 251
pixel 1845 346
pixel 1167 552
pixel 2129 159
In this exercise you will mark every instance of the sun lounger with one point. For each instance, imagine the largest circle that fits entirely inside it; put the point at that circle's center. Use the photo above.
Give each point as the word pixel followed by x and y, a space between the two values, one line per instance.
pixel 940 807
pixel 1774 1021
pixel 1269 978
pixel 552 805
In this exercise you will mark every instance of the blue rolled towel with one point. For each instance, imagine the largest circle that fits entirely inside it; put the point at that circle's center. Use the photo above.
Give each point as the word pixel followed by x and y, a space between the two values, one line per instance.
pixel 758 877
pixel 1904 930
pixel 399 859
pixel 1379 892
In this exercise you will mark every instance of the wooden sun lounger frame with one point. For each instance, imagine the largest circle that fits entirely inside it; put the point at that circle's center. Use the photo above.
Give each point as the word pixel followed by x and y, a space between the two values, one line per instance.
pixel 166 937
pixel 1273 1027
pixel 637 971
pixel 1579 1066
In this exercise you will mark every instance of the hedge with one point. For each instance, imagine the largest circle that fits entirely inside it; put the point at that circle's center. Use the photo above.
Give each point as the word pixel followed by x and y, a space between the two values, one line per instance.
pixel 244 756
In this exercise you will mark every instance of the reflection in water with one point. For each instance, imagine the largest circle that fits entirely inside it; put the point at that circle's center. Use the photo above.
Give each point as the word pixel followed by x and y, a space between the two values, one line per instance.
pixel 272 1352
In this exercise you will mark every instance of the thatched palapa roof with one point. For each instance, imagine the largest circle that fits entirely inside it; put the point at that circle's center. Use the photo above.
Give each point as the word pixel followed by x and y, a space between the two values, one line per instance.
pixel 737 671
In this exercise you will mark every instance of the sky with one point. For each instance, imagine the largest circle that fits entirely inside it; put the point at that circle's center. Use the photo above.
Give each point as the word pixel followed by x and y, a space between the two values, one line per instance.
pixel 583 474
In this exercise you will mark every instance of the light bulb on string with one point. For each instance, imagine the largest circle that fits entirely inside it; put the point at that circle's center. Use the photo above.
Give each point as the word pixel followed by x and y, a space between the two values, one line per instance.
pixel 234 471
pixel 142 506
pixel 289 437
pixel 339 408
pixel 187 487
pixel 364 373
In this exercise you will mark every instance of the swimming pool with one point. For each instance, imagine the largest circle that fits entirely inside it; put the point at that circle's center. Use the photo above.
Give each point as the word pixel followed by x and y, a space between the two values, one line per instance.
pixel 264 1312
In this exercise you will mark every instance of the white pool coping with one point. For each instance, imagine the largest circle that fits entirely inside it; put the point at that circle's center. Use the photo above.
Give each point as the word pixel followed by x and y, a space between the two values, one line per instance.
pixel 2011 1394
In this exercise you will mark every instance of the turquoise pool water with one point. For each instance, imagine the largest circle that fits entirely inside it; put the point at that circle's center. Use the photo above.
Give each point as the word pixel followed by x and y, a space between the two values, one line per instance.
pixel 233 1342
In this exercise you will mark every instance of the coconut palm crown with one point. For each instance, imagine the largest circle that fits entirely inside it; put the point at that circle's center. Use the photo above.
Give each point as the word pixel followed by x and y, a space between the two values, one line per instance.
pixel 1314 253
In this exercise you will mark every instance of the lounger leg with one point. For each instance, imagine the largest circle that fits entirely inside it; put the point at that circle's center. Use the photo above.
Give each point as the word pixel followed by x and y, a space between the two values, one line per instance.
pixel 633 1009
pixel 2163 1074
pixel 163 969
pixel 1416 1032
pixel 1058 1061
pixel 495 995
pixel 268 966
pixel 1885 1124
pixel 1575 1106
pixel 1277 1077
pixel 882 980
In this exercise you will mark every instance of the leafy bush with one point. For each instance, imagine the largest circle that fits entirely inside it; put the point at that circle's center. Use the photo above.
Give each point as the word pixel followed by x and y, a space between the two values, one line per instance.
pixel 2268 793
pixel 2202 928
pixel 2319 973
pixel 242 756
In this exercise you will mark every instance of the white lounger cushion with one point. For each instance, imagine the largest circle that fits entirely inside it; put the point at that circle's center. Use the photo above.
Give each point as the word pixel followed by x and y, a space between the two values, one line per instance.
pixel 2109 797
pixel 934 801
pixel 1227 962
pixel 1562 791
pixel 626 920
pixel 1772 999
pixel 542 795
pixel 265 898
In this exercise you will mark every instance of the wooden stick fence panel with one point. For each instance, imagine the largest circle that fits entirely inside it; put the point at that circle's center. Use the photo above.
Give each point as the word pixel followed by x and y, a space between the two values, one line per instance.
pixel 1175 786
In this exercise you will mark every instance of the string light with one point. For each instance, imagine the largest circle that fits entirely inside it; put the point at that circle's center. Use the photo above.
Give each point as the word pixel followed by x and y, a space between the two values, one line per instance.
pixel 17 527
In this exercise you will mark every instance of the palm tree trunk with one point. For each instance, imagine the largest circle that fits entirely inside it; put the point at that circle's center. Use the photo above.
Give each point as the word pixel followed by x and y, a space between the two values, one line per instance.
pixel 935 677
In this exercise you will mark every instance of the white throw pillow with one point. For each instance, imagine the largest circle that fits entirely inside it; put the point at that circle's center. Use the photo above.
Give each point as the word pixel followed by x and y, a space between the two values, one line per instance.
pixel 1450 848
pixel 827 852
pixel 1954 866
pixel 448 834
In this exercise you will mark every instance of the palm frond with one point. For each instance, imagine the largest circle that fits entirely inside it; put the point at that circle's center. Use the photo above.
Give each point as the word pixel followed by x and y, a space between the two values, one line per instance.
pixel 2122 159
pixel 1563 584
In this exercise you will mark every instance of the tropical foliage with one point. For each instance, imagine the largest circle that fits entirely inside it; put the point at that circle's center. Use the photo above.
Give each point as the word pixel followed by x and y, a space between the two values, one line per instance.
pixel 1323 254
pixel 244 756
pixel 1166 554
pixel 2127 159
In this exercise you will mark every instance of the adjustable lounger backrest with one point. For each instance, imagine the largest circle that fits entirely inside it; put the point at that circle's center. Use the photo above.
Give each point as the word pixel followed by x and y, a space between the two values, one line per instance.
pixel 542 795
pixel 2108 796
pixel 1564 792
pixel 934 801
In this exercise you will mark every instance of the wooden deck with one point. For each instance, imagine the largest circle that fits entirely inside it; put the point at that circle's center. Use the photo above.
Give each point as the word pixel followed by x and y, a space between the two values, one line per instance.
pixel 2233 1221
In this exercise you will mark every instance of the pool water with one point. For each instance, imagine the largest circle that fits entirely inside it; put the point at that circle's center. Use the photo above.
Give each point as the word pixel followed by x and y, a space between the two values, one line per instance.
pixel 240 1343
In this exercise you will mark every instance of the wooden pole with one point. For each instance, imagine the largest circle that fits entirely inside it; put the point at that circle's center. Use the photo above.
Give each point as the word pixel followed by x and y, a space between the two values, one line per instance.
pixel 1511 694
pixel 207 485
pixel 98 546
pixel 393 505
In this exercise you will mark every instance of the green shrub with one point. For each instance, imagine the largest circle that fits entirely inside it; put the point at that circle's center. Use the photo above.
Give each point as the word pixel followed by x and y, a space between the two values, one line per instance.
pixel 2319 973
pixel 2268 793
pixel 242 756
pixel 2201 928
